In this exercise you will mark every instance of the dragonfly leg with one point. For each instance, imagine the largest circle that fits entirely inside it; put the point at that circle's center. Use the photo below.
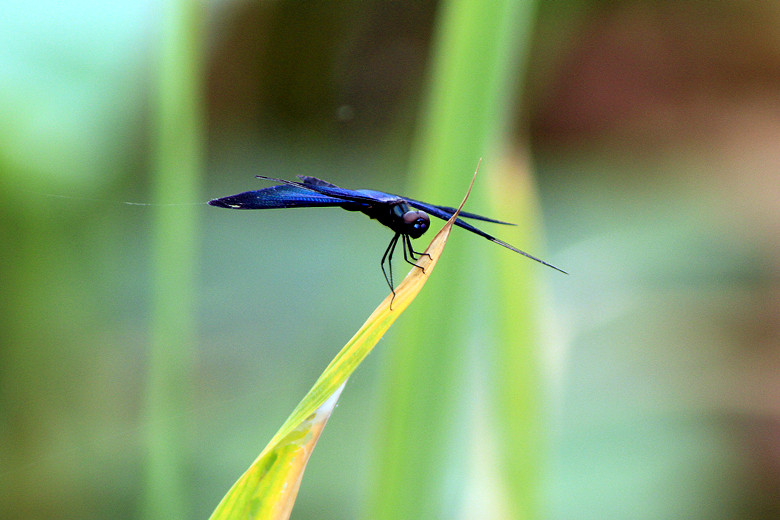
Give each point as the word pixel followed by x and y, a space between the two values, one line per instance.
pixel 407 245
pixel 412 252
pixel 388 256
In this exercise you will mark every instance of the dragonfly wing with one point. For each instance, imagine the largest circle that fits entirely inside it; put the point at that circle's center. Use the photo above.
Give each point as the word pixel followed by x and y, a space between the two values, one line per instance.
pixel 283 196
pixel 445 214
pixel 446 209
pixel 314 181
pixel 381 196
pixel 331 190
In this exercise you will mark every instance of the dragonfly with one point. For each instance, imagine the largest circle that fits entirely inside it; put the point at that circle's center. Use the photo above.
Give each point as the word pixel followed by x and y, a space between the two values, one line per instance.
pixel 407 218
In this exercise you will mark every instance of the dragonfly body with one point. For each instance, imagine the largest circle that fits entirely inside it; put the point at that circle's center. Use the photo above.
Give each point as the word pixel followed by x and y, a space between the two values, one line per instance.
pixel 393 211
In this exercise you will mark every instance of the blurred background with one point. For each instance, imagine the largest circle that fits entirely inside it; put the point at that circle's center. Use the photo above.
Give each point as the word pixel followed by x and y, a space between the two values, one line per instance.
pixel 653 131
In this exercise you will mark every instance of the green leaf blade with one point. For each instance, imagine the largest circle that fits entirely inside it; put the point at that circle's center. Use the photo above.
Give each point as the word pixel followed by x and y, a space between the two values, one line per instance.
pixel 267 490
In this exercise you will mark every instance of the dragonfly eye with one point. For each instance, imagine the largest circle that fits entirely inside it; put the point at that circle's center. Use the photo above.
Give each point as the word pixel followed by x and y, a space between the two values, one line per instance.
pixel 416 223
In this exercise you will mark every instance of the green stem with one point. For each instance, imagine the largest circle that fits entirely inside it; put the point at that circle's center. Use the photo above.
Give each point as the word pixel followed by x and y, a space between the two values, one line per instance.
pixel 176 167
pixel 427 455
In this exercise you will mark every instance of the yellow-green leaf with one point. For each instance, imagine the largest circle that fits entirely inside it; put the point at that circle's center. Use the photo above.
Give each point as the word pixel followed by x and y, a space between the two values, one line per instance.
pixel 267 490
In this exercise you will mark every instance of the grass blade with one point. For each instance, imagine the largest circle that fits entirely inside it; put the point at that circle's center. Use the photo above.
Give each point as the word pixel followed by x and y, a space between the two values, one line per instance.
pixel 437 373
pixel 176 165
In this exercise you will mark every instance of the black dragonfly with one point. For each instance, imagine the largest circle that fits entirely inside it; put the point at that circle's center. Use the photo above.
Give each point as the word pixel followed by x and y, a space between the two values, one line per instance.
pixel 391 210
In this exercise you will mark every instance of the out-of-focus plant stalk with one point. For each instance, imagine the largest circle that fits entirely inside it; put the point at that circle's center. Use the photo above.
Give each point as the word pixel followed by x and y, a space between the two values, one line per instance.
pixel 176 163
pixel 426 440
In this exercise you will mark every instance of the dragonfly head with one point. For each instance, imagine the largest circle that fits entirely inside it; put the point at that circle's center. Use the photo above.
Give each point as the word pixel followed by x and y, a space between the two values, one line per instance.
pixel 415 223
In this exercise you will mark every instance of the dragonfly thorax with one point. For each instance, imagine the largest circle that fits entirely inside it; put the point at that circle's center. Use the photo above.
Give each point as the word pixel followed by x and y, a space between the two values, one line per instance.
pixel 401 218
pixel 407 221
